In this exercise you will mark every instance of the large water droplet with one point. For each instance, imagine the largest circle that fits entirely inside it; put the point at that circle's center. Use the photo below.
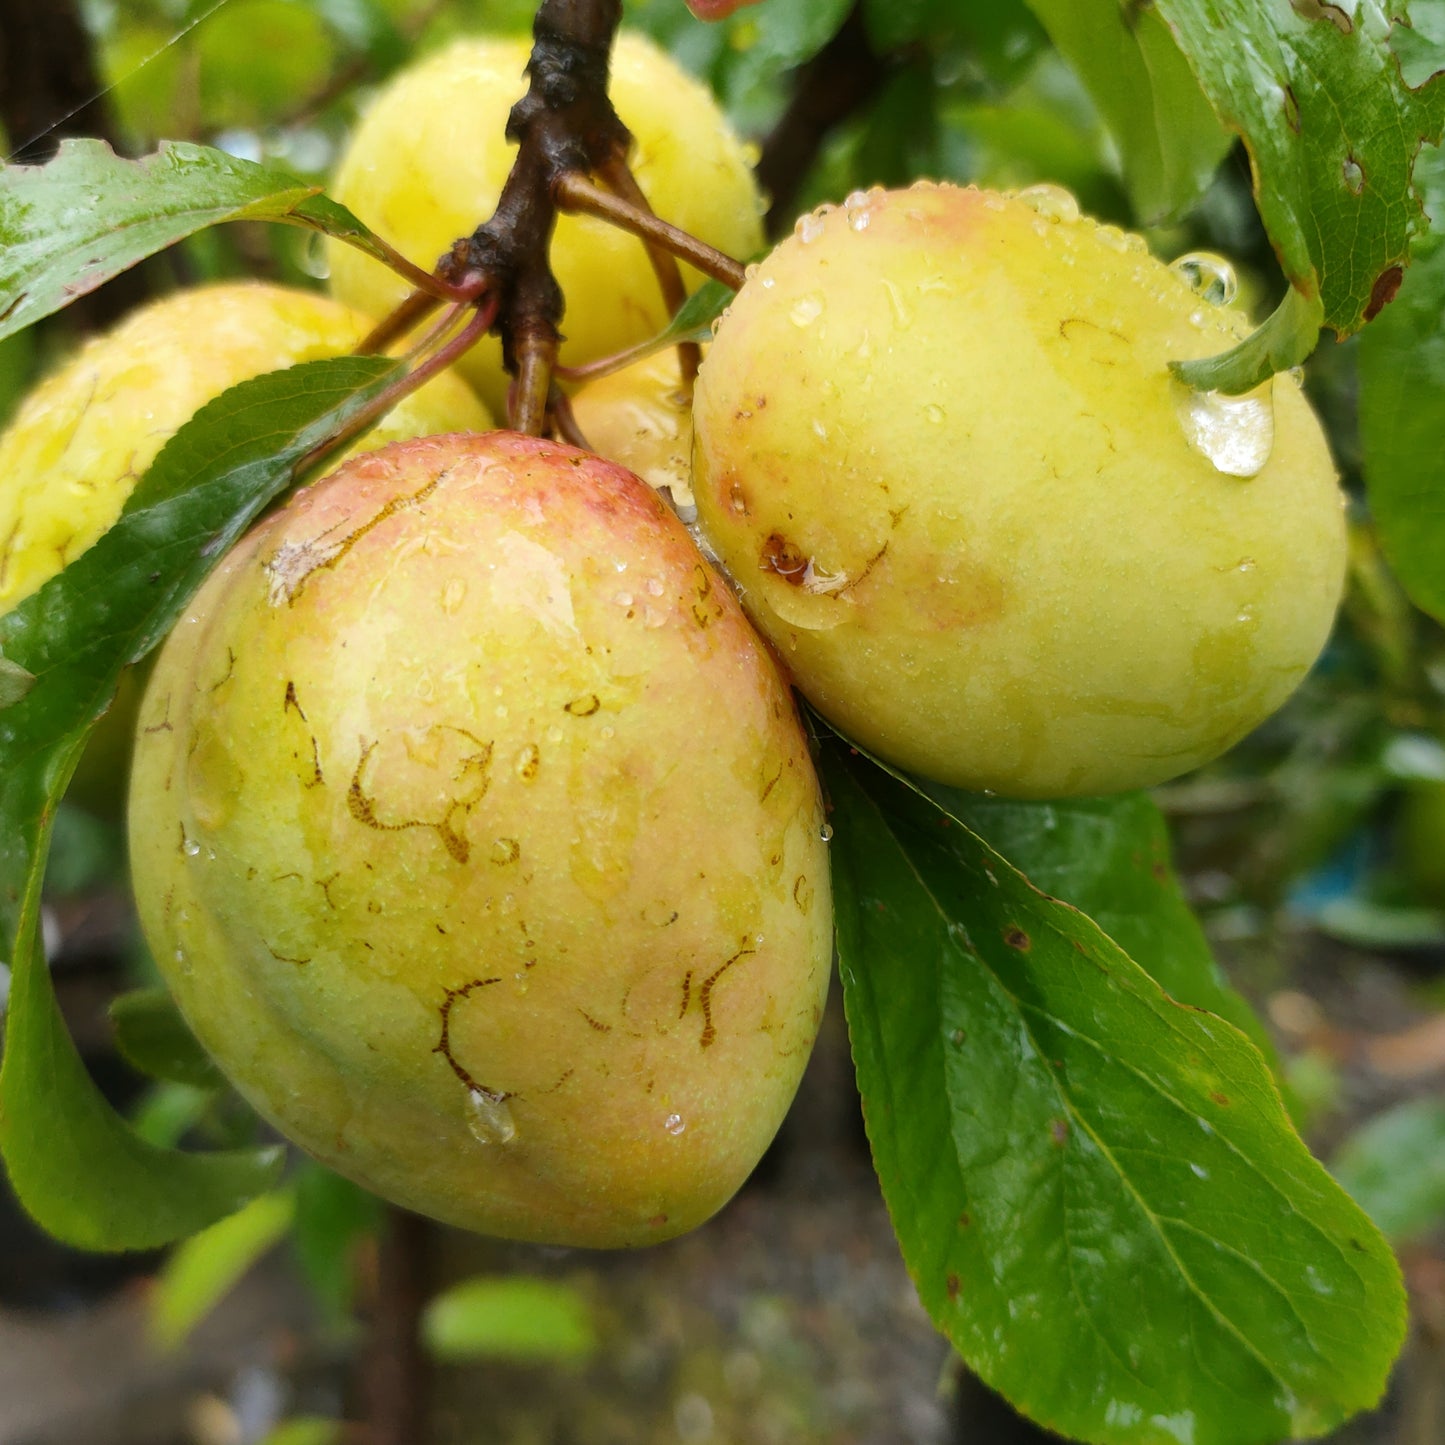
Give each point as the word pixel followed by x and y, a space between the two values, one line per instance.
pixel 1052 202
pixel 1235 433
pixel 674 1124
pixel 489 1119
pixel 191 848
pixel 808 228
pixel 1210 277
pixel 806 310
pixel 315 258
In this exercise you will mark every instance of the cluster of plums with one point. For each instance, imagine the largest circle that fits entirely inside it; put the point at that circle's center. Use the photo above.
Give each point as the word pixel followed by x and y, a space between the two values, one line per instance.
pixel 472 820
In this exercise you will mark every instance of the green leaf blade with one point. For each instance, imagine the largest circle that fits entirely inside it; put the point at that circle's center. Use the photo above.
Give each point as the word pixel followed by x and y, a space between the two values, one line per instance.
pixel 1096 1188
pixel 1169 137
pixel 75 1165
pixel 69 226
pixel 1402 412
pixel 1110 858
pixel 1333 131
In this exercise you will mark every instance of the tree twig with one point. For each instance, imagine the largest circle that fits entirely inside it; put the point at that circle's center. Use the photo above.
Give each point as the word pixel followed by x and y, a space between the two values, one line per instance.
pixel 576 193
pixel 836 83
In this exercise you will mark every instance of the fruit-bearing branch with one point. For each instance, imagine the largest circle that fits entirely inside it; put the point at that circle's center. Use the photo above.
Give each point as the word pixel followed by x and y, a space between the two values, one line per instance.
pixel 571 156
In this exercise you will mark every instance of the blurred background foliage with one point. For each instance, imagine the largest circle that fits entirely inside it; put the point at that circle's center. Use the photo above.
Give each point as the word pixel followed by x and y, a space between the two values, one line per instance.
pixel 1314 851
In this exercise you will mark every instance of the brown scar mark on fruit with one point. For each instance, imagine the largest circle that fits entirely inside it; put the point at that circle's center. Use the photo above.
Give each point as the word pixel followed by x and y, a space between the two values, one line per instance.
pixel 686 993
pixel 1069 321
pixel 1221 1099
pixel 896 516
pixel 657 1221
pixel 444 1044
pixel 802 892
pixel 472 771
pixel 164 725
pixel 1059 1131
pixel 868 566
pixel 293 564
pixel 704 996
pixel 529 760
pixel 560 1082
pixel 506 851
pixel 583 706
pixel 184 845
pixel 1017 938
pixel 230 670
pixel 1387 285
pixel 595 1024
pixel 324 884
pixel 7 551
pixel 284 877
pixel 293 704
pixel 771 784
pixel 952 1286
pixel 283 958
pixel 784 558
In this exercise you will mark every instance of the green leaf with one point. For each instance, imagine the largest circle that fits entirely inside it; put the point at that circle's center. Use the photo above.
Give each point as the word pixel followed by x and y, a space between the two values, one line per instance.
pixel 15 682
pixel 74 1164
pixel 694 318
pixel 1332 129
pixel 154 1038
pixel 1168 135
pixel 201 1271
pixel 1096 1189
pixel 333 1216
pixel 68 226
pixel 1402 411
pixel 1110 858
pixel 1394 1166
pixel 1286 339
pixel 306 1430
pixel 509 1317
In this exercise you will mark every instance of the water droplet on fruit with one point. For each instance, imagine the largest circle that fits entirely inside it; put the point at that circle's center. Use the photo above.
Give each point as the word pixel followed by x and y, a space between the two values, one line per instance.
pixel 935 414
pixel 808 228
pixel 1245 614
pixel 191 848
pixel 1054 203
pixel 826 832
pixel 489 1118
pixel 1117 240
pixel 183 961
pixel 1247 564
pixel 1354 175
pixel 674 1124
pixel 1199 1171
pixel 859 210
pixel 767 283
pixel 806 310
pixel 1210 277
pixel 750 270
pixel 901 314
pixel 1235 433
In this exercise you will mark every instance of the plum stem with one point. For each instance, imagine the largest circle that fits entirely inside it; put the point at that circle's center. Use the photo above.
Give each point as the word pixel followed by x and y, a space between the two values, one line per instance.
pixel 618 177
pixel 576 193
